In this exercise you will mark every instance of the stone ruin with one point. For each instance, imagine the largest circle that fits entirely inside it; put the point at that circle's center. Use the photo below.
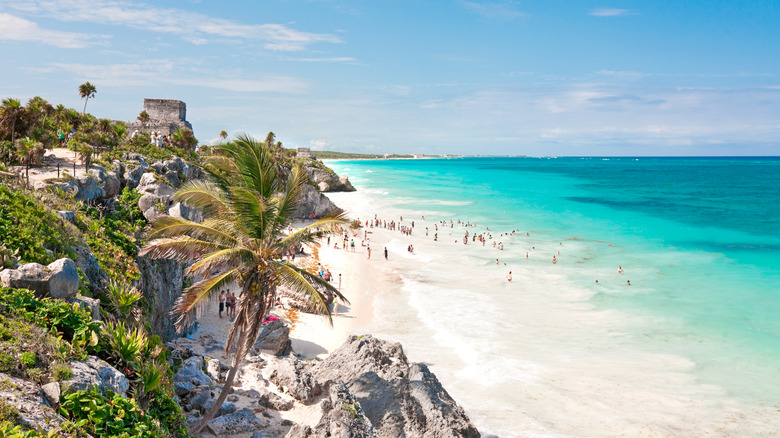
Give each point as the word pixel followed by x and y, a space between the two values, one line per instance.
pixel 165 116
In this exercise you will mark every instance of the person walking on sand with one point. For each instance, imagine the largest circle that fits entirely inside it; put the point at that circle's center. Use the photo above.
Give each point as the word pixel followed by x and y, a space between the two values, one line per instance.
pixel 368 250
pixel 509 276
pixel 221 303
pixel 339 282
pixel 385 253
pixel 352 244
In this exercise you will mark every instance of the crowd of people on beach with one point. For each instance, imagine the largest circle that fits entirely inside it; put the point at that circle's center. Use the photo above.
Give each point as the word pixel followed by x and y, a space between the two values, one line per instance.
pixel 345 240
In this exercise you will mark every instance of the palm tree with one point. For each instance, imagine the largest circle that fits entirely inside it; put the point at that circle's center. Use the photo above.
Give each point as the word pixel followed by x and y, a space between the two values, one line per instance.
pixel 143 117
pixel 223 135
pixel 10 112
pixel 86 90
pixel 246 205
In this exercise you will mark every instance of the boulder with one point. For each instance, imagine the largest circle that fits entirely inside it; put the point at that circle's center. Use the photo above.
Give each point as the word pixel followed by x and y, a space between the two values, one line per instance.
pixel 26 398
pixel 238 422
pixel 200 397
pixel 51 392
pixel 91 304
pixel 59 279
pixel 328 181
pixel 271 400
pixel 293 377
pixel 213 369
pixel 150 184
pixel 86 261
pixel 314 202
pixel 399 398
pixel 342 416
pixel 275 337
pixel 97 373
pixel 191 371
pixel 226 408
pixel 133 176
pixel 89 188
pixel 182 389
pixel 67 216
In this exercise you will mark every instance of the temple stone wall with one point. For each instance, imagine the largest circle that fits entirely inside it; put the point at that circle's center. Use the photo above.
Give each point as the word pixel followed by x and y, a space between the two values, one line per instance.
pixel 166 116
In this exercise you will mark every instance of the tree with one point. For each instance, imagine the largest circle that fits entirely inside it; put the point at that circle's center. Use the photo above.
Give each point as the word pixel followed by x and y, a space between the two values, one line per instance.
pixel 223 135
pixel 10 112
pixel 86 90
pixel 246 205
pixel 143 117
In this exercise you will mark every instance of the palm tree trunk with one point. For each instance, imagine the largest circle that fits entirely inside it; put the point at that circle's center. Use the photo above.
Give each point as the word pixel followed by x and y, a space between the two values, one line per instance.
pixel 237 360
pixel 85 106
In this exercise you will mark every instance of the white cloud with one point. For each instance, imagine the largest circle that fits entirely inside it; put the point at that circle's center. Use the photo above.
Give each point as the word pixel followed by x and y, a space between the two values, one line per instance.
pixel 156 72
pixel 14 28
pixel 610 12
pixel 318 144
pixel 192 26
pixel 502 11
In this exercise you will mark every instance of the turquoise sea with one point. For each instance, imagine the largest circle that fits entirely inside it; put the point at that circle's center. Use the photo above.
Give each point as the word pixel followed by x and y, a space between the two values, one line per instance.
pixel 690 348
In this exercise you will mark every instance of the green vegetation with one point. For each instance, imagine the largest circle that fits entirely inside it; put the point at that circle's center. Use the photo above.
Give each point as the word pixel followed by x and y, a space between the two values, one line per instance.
pixel 108 415
pixel 38 337
pixel 245 206
pixel 27 227
pixel 332 155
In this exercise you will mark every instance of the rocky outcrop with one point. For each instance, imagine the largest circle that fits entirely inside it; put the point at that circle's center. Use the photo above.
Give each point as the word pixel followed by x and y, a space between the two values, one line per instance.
pixel 26 399
pixel 238 422
pixel 328 181
pixel 91 305
pixel 274 338
pixel 96 185
pixel 97 279
pixel 95 373
pixel 400 399
pixel 314 202
pixel 161 284
pixel 342 416
pixel 191 372
pixel 293 377
pixel 59 279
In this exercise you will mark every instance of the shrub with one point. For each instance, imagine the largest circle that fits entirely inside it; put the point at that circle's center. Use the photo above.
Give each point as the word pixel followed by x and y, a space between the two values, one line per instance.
pixel 108 415
pixel 28 227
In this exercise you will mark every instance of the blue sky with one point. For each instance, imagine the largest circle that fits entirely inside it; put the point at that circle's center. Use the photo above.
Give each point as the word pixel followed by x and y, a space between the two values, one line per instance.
pixel 470 77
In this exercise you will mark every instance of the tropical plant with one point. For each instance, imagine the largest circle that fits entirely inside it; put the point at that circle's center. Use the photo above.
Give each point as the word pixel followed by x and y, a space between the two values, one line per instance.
pixel 29 151
pixel 184 138
pixel 246 205
pixel 143 117
pixel 223 135
pixel 10 112
pixel 125 344
pixel 86 90
pixel 123 302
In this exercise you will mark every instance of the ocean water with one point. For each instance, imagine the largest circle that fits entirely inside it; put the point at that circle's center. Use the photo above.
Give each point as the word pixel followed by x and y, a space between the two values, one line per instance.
pixel 690 348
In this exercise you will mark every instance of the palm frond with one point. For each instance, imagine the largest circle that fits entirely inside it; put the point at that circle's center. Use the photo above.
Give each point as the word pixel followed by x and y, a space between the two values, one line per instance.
pixel 309 233
pixel 203 195
pixel 183 249
pixel 224 258
pixel 299 283
pixel 289 201
pixel 193 296
pixel 169 226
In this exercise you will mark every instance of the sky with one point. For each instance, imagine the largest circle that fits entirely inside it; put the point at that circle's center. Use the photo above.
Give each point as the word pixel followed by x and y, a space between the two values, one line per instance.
pixel 541 78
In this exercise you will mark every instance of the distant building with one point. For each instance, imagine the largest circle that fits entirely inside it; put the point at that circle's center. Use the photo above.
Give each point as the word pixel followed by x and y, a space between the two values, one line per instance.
pixel 417 155
pixel 304 153
pixel 166 116
pixel 387 156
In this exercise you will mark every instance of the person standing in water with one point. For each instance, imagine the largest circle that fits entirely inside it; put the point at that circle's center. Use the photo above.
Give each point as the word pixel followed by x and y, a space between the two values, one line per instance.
pixel 509 276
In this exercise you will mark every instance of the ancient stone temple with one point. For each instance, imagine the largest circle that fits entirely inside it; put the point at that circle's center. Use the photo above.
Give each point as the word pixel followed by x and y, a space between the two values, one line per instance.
pixel 165 116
